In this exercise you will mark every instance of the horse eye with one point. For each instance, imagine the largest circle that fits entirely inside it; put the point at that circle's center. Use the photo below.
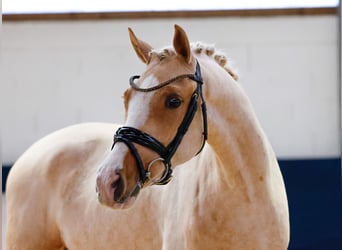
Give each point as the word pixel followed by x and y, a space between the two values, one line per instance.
pixel 173 102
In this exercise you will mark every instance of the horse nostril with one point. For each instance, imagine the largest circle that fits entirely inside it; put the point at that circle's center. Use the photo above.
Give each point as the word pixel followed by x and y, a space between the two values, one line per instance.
pixel 118 186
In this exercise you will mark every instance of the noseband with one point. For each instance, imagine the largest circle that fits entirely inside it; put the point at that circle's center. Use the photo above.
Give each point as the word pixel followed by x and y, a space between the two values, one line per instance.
pixel 130 135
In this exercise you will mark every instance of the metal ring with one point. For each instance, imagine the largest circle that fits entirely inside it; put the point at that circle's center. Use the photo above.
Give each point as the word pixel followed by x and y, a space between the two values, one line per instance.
pixel 148 172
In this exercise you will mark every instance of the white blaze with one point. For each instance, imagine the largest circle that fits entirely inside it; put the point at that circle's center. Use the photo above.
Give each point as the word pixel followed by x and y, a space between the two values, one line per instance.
pixel 139 105
pixel 138 111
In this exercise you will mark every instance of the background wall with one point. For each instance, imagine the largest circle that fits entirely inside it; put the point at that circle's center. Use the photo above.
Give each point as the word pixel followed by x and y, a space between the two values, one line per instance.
pixel 59 73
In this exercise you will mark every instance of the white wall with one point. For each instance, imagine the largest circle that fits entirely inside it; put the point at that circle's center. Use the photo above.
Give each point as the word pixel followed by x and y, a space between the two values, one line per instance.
pixel 60 73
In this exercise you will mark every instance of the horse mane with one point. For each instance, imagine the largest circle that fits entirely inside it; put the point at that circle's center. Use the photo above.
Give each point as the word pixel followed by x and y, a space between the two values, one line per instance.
pixel 200 48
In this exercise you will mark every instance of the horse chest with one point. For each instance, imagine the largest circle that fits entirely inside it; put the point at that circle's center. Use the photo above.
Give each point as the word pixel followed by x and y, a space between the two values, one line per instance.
pixel 191 225
pixel 213 222
pixel 208 230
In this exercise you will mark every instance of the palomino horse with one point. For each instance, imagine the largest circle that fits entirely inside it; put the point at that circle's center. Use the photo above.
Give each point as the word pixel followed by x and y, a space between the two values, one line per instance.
pixel 191 129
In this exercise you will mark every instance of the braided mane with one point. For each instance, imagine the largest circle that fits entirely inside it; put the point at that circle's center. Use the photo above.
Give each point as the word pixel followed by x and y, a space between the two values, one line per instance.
pixel 200 48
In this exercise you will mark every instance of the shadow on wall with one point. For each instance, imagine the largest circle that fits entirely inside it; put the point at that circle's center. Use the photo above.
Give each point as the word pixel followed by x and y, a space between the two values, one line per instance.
pixel 315 202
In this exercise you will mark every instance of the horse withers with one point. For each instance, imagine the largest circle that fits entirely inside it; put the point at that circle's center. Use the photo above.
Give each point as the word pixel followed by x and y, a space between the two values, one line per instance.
pixel 191 168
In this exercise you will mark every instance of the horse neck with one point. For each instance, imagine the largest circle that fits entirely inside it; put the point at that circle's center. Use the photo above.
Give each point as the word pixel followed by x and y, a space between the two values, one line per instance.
pixel 241 149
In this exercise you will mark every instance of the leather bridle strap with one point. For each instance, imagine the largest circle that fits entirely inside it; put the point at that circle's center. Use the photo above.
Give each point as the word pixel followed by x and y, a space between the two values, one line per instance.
pixel 130 135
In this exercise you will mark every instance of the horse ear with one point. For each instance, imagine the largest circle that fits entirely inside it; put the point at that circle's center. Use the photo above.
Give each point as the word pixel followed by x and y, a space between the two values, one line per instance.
pixel 181 43
pixel 141 48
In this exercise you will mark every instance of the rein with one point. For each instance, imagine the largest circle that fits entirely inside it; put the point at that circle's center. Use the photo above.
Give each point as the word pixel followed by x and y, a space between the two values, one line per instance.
pixel 130 135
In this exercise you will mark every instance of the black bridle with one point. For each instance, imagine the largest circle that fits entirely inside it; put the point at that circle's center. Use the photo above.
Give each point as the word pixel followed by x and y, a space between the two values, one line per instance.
pixel 130 135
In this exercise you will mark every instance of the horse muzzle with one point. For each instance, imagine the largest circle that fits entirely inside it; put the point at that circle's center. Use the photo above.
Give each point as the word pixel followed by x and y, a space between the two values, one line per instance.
pixel 113 191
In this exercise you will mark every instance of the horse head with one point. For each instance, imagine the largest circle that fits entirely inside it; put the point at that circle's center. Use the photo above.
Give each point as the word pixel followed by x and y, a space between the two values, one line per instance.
pixel 165 122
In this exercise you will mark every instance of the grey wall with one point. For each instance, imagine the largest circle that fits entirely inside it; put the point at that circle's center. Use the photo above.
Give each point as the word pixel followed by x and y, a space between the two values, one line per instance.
pixel 54 74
